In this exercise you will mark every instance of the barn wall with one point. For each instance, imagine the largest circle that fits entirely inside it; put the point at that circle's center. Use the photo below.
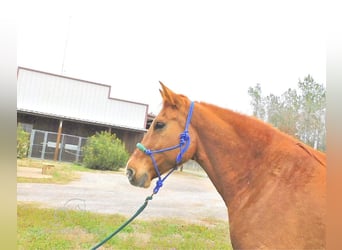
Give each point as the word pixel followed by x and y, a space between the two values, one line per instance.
pixel 130 138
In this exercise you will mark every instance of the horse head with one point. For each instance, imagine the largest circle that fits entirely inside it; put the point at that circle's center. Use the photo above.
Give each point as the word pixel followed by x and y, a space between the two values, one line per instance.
pixel 164 133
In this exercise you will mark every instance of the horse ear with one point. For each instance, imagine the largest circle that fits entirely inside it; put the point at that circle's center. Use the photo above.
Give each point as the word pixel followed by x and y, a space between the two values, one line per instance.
pixel 169 97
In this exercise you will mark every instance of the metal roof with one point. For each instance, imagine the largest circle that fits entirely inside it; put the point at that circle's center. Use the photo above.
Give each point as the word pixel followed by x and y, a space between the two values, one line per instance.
pixel 53 95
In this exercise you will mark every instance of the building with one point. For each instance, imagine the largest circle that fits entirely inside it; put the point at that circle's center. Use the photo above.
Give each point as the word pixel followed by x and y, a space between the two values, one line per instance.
pixel 61 112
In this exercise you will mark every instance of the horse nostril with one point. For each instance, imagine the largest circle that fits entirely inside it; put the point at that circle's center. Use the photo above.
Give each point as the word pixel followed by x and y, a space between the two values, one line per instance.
pixel 129 173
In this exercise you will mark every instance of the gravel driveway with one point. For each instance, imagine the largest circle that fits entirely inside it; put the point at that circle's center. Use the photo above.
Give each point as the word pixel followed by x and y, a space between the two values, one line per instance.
pixel 183 196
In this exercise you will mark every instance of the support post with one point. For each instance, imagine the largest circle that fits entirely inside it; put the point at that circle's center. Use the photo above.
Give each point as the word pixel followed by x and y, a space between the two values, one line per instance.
pixel 58 140
pixel 42 156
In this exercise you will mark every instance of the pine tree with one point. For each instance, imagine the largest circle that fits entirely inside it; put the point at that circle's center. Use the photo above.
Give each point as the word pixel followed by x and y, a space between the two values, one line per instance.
pixel 300 114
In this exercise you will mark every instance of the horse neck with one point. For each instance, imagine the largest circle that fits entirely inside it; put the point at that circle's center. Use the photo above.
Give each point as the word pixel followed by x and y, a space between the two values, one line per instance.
pixel 229 145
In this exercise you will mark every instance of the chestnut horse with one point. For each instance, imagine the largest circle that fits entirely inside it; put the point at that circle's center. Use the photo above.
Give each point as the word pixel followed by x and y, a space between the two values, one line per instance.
pixel 273 185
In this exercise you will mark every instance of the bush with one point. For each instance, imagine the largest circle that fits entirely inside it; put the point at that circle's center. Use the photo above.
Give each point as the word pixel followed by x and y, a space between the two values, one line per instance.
pixel 105 152
pixel 23 142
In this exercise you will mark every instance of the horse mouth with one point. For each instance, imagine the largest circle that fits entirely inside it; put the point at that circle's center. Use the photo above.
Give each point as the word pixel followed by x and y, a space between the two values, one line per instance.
pixel 142 181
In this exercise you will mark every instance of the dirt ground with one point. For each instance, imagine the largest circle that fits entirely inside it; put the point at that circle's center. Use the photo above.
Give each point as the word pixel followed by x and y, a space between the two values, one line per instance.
pixel 31 172
pixel 184 196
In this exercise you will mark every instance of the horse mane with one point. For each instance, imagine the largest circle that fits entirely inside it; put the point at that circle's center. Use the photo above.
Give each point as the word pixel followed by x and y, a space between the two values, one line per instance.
pixel 248 124
pixel 315 154
pixel 253 127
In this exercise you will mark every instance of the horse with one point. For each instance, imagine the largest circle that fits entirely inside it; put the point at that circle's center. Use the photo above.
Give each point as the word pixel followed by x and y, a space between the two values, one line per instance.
pixel 273 185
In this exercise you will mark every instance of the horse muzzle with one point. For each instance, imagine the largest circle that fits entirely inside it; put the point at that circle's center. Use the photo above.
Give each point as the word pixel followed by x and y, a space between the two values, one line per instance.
pixel 141 181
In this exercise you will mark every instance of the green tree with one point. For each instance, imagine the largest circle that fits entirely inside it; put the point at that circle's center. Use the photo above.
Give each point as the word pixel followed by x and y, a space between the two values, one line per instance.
pixel 311 126
pixel 257 101
pixel 300 114
pixel 23 142
pixel 104 151
pixel 291 105
pixel 273 110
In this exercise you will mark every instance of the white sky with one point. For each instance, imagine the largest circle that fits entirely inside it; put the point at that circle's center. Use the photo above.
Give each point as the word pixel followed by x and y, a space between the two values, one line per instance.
pixel 210 50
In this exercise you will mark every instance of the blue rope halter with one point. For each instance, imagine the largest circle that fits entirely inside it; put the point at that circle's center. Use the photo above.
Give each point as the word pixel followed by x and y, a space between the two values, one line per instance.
pixel 184 143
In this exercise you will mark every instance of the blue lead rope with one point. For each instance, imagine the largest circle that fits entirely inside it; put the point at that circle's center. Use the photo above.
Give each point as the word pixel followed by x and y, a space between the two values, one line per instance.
pixel 184 143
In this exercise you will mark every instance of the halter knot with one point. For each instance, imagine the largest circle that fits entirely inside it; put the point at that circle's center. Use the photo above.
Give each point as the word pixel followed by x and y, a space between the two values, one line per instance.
pixel 184 137
pixel 148 152
pixel 159 184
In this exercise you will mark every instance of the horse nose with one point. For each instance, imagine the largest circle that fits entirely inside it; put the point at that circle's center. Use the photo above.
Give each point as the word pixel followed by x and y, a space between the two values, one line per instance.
pixel 130 174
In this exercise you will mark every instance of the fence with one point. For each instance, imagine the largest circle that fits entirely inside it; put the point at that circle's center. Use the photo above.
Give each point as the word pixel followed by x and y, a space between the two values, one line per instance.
pixel 43 145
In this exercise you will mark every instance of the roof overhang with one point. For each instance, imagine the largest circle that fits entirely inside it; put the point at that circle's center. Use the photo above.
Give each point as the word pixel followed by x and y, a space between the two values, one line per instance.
pixel 92 122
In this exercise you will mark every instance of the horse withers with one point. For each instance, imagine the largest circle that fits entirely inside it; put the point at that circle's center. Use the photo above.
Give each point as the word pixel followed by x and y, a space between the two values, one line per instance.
pixel 273 185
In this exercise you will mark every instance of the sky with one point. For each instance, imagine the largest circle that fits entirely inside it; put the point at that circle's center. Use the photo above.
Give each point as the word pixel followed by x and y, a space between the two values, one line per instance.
pixel 210 51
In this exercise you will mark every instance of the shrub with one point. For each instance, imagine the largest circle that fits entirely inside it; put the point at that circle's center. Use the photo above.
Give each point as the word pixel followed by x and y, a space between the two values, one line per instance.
pixel 105 152
pixel 23 142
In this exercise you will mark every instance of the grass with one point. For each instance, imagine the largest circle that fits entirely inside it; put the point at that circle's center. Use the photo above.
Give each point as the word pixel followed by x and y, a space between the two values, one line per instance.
pixel 46 228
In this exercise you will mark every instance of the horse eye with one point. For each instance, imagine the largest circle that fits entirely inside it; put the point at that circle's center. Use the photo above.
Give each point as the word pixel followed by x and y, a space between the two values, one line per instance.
pixel 159 125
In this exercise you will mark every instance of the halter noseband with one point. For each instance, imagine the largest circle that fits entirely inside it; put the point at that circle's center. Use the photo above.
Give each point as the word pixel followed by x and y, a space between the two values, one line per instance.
pixel 184 143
